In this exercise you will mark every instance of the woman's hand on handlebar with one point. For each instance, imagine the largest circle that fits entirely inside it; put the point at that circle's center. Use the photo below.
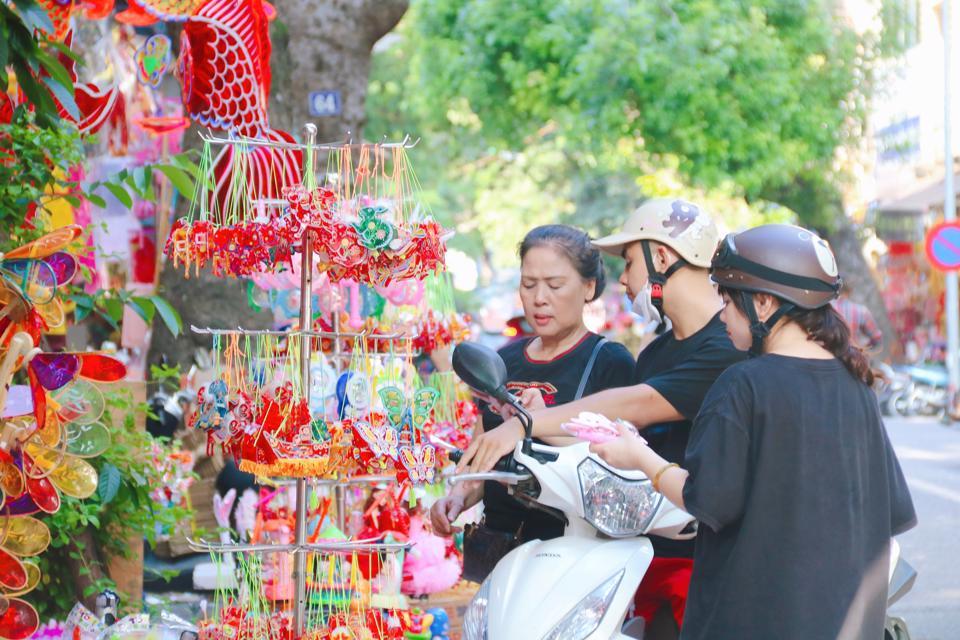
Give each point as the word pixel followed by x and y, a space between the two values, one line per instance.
pixel 447 509
pixel 530 399
pixel 444 512
pixel 485 449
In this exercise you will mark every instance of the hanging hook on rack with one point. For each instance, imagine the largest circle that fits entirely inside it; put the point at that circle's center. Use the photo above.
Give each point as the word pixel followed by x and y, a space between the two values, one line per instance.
pixel 294 146
pixel 311 547
pixel 365 335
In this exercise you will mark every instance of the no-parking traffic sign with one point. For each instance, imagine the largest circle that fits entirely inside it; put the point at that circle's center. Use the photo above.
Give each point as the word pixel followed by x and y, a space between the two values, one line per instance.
pixel 943 246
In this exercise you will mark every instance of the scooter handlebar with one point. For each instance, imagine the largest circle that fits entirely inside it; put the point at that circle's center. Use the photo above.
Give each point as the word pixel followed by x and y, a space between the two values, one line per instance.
pixel 504 464
pixel 505 477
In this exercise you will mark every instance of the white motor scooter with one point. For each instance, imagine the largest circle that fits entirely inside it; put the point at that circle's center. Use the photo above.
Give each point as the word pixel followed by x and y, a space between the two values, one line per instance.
pixel 579 586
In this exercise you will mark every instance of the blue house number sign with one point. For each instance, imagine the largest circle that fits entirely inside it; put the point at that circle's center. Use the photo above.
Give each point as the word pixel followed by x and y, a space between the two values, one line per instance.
pixel 325 103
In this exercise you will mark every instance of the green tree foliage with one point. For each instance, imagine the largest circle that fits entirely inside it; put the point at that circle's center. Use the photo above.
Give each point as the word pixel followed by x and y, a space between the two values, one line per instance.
pixel 742 99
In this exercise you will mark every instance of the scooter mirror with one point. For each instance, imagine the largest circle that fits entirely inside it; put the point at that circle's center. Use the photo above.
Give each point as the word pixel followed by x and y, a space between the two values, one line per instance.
pixel 481 368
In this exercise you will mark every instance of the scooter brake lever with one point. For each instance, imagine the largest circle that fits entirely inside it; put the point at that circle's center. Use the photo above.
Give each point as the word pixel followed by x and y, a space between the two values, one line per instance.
pixel 505 477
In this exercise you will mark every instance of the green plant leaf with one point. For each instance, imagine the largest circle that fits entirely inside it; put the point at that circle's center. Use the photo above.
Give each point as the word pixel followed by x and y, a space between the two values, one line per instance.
pixel 4 54
pixel 65 50
pixel 106 316
pixel 34 16
pixel 178 178
pixel 56 70
pixel 84 305
pixel 143 307
pixel 168 314
pixel 114 307
pixel 96 200
pixel 44 108
pixel 120 193
pixel 64 95
pixel 109 484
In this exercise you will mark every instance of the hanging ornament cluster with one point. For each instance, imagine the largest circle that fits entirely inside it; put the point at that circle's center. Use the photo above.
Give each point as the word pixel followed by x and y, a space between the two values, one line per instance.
pixel 364 237
pixel 437 331
pixel 372 249
pixel 48 427
pixel 238 622
pixel 257 412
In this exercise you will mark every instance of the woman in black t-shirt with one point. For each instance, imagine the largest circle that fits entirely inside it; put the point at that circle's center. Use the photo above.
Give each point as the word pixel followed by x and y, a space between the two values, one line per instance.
pixel 560 273
pixel 788 467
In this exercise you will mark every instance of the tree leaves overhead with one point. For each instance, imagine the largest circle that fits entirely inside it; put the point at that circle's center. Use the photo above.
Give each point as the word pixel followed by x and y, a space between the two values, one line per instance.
pixel 573 110
pixel 750 94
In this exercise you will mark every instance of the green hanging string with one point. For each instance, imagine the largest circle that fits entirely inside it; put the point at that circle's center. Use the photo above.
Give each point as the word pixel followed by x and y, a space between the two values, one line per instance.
pixel 438 293
pixel 412 186
pixel 309 172
pixel 446 408
pixel 200 203
pixel 220 594
pixel 217 357
pixel 237 206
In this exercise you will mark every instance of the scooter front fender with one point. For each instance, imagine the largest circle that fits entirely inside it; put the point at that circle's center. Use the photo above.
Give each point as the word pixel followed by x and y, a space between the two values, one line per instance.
pixel 537 584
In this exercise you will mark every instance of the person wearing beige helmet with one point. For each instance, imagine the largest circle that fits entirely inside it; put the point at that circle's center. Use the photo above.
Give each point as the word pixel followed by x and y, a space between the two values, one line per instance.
pixel 667 244
pixel 788 470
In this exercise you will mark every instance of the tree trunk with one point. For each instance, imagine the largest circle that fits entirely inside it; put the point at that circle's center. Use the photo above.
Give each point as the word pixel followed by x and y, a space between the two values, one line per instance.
pixel 855 271
pixel 326 46
pixel 204 301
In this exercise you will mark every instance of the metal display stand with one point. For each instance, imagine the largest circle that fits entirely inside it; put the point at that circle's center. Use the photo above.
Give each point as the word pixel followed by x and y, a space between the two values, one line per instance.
pixel 301 547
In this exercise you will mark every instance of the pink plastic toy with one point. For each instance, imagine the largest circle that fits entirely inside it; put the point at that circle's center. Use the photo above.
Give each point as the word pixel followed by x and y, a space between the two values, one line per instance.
pixel 592 427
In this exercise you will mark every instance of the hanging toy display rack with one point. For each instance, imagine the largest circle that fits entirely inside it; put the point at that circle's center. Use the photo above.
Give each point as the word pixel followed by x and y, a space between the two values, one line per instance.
pixel 301 546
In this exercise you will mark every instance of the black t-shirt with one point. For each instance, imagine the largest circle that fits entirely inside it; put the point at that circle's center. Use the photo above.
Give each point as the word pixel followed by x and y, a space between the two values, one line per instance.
pixel 557 380
pixel 798 492
pixel 682 371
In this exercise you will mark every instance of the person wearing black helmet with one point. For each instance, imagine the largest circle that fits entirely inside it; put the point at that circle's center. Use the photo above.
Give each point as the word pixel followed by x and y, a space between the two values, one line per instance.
pixel 788 468
pixel 666 245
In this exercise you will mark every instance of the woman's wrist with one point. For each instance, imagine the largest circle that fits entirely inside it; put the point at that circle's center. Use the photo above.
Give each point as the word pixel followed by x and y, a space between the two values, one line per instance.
pixel 648 460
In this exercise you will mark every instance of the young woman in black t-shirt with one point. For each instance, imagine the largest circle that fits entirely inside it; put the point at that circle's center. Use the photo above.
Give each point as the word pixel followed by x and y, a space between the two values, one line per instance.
pixel 788 467
pixel 560 273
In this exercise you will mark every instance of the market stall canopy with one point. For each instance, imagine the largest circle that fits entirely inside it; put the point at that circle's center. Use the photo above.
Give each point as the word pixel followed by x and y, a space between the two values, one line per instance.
pixel 920 201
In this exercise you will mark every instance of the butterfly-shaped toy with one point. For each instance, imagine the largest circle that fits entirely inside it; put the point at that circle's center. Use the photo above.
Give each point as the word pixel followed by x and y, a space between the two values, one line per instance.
pixel 419 462
pixel 404 418
pixel 376 445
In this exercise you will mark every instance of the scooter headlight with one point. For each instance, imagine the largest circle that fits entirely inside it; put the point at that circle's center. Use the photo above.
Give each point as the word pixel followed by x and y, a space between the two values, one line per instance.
pixel 617 506
pixel 475 620
pixel 586 616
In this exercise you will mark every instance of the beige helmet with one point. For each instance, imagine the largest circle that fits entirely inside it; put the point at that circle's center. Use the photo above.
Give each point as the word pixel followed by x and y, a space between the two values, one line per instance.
pixel 681 225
